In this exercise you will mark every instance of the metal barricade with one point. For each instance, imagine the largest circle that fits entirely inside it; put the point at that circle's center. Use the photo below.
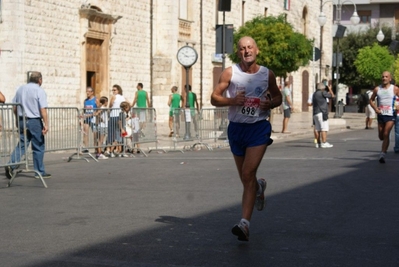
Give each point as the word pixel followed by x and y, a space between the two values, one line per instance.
pixel 147 128
pixel 184 129
pixel 64 130
pixel 213 123
pixel 14 150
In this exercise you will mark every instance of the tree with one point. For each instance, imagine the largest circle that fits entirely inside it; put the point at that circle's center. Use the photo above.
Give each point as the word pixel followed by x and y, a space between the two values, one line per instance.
pixel 372 61
pixel 281 48
pixel 396 72
pixel 349 47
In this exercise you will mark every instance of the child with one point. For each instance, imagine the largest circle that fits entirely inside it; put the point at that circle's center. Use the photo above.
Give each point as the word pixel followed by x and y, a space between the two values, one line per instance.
pixel 124 126
pixel 101 117
pixel 136 131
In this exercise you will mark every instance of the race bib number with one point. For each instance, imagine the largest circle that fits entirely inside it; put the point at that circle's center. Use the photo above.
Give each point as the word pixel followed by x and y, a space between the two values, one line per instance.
pixel 250 108
pixel 386 110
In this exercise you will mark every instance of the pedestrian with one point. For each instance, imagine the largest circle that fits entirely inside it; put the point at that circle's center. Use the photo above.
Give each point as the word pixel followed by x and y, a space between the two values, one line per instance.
pixel 114 138
pixel 90 105
pixel 174 102
pixel 125 127
pixel 320 113
pixel 287 105
pixel 33 100
pixel 370 113
pixel 135 123
pixel 142 100
pixel 101 123
pixel 194 108
pixel 315 133
pixel 247 84
pixel 386 116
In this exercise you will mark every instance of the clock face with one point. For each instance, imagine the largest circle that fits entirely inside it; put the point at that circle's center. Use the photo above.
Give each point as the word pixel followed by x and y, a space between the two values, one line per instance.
pixel 187 56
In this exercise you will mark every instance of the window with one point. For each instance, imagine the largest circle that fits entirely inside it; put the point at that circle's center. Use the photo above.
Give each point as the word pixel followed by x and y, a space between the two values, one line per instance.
pixel 243 13
pixel 265 13
pixel 185 11
pixel 365 16
pixel 287 4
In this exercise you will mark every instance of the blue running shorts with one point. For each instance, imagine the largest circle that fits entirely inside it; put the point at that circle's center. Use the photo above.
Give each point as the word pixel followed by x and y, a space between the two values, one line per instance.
pixel 385 119
pixel 243 135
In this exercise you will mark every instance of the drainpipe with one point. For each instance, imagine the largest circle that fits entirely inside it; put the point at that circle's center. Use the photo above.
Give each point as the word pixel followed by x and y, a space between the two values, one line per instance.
pixel 151 49
pixel 201 54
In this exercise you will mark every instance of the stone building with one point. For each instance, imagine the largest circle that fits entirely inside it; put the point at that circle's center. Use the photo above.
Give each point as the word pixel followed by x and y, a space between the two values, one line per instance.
pixel 75 43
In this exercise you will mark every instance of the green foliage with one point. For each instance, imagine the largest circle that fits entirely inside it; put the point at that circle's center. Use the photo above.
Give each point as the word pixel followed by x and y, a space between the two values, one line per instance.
pixel 280 48
pixel 372 61
pixel 349 47
pixel 396 72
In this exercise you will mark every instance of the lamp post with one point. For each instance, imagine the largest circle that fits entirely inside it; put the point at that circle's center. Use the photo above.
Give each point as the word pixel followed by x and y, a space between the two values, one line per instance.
pixel 322 21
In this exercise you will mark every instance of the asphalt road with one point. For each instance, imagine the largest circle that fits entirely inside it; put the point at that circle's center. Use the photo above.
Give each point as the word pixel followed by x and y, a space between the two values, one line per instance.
pixel 326 207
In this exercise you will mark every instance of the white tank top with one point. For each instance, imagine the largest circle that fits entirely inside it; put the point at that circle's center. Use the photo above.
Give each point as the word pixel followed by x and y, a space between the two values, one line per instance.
pixel 116 106
pixel 255 86
pixel 386 100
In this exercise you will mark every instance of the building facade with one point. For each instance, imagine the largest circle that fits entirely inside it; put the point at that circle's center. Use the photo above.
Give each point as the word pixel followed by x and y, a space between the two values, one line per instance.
pixel 99 43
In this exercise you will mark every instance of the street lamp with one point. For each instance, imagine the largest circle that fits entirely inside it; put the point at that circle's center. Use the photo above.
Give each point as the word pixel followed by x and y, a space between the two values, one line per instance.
pixel 380 36
pixel 322 21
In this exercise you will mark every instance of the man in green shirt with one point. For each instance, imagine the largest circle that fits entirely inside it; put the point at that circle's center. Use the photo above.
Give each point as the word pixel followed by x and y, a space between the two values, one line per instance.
pixel 174 103
pixel 194 107
pixel 142 101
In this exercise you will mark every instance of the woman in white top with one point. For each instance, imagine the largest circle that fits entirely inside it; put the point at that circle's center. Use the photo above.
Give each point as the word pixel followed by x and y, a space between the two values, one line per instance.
pixel 114 133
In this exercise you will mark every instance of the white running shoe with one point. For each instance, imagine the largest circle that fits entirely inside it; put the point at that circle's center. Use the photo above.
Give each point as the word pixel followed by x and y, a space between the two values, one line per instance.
pixel 260 199
pixel 382 157
pixel 326 145
pixel 102 156
pixel 241 231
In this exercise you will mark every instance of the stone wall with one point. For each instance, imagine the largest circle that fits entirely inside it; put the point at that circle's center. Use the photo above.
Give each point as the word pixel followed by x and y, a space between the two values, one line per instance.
pixel 49 36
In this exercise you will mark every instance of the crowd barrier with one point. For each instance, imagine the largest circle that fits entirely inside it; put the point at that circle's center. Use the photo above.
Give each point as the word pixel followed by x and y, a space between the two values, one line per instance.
pixel 98 131
pixel 89 131
pixel 205 128
pixel 11 132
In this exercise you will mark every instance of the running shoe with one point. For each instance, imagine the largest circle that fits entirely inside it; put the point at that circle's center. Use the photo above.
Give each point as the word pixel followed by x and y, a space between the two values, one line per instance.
pixel 241 231
pixel 9 172
pixel 102 156
pixel 260 199
pixel 326 145
pixel 45 176
pixel 382 158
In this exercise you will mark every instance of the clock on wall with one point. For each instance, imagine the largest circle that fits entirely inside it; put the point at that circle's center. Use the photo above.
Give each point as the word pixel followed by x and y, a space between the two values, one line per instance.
pixel 187 56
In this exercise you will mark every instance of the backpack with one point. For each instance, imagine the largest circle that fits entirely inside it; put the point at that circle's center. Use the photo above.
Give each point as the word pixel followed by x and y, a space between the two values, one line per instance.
pixel 365 98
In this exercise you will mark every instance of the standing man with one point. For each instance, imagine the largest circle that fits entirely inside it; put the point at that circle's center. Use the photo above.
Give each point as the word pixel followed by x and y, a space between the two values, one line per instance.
pixel 34 102
pixel 386 115
pixel 194 108
pixel 320 114
pixel 90 106
pixel 247 84
pixel 174 112
pixel 370 113
pixel 143 101
pixel 287 105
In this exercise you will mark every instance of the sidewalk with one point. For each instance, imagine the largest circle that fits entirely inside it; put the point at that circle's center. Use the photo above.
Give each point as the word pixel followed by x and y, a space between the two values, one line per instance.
pixel 300 125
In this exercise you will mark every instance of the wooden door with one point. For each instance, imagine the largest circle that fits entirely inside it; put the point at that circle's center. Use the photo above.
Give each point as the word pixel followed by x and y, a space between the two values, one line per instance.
pixel 94 65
